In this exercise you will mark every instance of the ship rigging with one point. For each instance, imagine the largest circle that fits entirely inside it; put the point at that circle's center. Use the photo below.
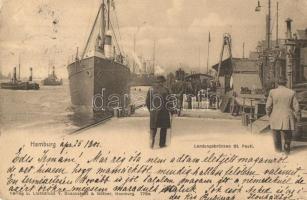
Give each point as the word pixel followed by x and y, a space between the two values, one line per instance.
pixel 99 79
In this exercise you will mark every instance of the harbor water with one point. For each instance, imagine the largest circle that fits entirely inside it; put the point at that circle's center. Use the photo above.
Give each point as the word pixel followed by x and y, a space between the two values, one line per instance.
pixel 49 108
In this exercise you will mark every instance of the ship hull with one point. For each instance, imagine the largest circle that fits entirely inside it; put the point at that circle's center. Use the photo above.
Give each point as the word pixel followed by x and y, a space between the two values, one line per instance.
pixel 20 86
pixel 52 83
pixel 98 85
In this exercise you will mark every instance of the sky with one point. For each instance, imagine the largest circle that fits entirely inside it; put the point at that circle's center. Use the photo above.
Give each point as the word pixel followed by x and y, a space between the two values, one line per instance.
pixel 40 32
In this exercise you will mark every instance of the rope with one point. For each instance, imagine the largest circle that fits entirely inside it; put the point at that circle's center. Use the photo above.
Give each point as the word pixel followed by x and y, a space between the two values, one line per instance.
pixel 90 36
pixel 116 39
pixel 117 24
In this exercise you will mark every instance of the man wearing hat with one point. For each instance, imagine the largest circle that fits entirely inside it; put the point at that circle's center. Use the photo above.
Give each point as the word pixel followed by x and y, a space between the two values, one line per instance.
pixel 157 104
pixel 283 110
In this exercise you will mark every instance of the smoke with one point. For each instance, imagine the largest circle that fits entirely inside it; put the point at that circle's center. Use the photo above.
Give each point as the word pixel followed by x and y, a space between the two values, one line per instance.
pixel 137 61
pixel 1 4
pixel 159 70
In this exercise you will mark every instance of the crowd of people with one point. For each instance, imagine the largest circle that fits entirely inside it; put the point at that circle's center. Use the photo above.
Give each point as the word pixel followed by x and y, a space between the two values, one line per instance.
pixel 282 108
pixel 165 99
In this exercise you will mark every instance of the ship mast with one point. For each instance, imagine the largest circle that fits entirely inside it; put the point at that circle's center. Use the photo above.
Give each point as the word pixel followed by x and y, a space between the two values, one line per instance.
pixel 101 9
pixel 108 2
pixel 154 57
pixel 49 66
pixel 102 34
pixel 269 26
pixel 19 67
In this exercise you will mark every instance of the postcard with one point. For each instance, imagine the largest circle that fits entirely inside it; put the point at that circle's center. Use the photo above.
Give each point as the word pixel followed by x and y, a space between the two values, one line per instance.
pixel 153 99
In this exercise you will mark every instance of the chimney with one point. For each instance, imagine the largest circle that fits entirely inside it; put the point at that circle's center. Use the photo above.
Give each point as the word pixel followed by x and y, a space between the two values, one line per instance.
pixel 289 33
pixel 31 73
pixel 14 75
pixel 268 31
pixel 77 54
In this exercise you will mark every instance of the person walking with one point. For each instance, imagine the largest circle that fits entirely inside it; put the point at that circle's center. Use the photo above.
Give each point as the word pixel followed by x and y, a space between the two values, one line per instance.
pixel 160 110
pixel 283 110
pixel 178 90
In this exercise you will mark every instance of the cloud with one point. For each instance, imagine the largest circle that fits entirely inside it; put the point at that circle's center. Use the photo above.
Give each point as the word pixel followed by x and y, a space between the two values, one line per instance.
pixel 1 3
pixel 213 20
pixel 174 12
pixel 159 70
pixel 166 41
pixel 180 27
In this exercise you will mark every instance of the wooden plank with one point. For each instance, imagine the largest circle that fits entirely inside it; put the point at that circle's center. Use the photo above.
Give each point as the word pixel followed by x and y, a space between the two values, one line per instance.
pixel 261 125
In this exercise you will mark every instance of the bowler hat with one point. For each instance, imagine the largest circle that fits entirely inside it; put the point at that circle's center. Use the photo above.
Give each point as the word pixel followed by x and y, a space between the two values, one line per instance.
pixel 160 79
pixel 282 80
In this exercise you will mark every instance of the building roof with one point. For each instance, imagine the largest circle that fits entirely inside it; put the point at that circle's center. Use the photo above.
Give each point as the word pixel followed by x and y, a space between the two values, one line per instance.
pixel 198 75
pixel 252 81
pixel 238 65
pixel 244 65
pixel 226 64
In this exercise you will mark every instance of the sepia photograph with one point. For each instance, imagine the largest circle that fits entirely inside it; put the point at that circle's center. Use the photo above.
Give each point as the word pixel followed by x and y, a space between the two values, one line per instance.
pixel 153 99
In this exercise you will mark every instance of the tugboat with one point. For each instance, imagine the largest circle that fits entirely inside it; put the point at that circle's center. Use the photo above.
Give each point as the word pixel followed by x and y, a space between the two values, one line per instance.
pixel 17 84
pixel 99 80
pixel 52 79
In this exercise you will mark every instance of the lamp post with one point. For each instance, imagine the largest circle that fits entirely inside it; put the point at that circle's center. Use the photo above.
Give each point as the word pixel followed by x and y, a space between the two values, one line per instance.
pixel 268 69
pixel 268 22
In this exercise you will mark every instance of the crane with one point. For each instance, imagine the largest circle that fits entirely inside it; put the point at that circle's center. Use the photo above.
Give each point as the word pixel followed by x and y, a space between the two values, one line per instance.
pixel 227 43
pixel 220 90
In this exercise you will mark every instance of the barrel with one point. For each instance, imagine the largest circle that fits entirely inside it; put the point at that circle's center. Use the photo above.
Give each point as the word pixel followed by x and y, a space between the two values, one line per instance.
pixel 117 112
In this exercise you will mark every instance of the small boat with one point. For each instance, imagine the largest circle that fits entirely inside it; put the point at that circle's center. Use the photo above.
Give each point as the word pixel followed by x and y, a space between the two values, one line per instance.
pixel 17 84
pixel 52 79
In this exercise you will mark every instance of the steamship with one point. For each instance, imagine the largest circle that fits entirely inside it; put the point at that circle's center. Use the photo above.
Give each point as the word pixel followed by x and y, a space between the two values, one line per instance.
pixel 99 79
pixel 52 79
pixel 17 84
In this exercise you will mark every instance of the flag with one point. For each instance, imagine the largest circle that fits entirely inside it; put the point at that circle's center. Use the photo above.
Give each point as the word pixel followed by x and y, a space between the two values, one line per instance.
pixel 209 38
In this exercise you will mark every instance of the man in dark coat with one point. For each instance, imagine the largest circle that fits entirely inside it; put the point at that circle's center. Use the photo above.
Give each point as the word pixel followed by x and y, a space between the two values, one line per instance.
pixel 158 102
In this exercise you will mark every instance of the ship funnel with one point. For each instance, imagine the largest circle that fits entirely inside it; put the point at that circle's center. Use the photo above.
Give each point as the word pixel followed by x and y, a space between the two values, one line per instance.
pixel 108 50
pixel 31 74
pixel 53 71
pixel 15 75
pixel 289 31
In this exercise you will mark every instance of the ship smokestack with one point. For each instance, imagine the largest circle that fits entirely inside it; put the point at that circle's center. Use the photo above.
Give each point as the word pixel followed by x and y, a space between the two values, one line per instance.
pixel 31 74
pixel 15 75
pixel 77 54
pixel 289 31
pixel 53 71
pixel 108 50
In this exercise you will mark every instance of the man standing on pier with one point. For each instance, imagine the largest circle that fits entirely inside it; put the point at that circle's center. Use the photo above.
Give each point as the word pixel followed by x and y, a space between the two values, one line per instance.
pixel 156 103
pixel 283 110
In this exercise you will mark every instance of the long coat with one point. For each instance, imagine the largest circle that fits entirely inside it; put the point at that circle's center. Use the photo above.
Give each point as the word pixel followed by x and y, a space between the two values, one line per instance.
pixel 156 102
pixel 282 107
